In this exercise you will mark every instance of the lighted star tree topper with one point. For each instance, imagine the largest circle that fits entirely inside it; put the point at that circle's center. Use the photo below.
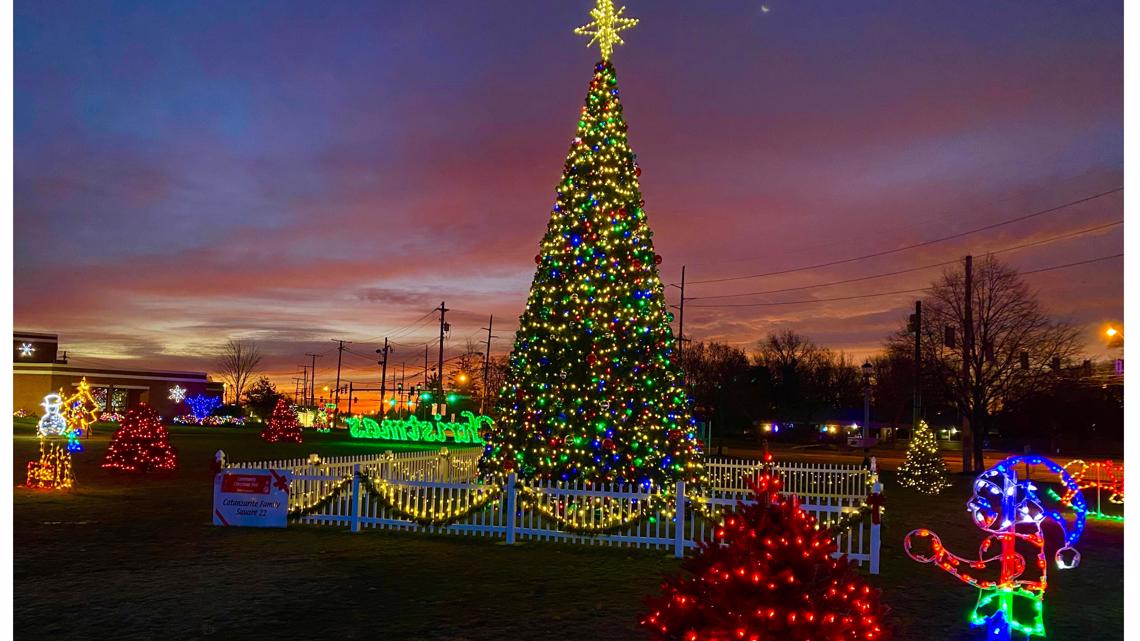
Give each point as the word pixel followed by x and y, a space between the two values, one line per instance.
pixel 604 29
pixel 594 391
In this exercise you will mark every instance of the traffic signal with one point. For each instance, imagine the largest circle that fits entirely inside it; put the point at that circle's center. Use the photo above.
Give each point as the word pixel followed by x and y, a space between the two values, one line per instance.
pixel 949 339
pixel 1024 360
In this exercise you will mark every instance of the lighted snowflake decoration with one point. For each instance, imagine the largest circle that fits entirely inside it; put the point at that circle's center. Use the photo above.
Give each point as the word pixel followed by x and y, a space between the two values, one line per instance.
pixel 26 350
pixel 177 393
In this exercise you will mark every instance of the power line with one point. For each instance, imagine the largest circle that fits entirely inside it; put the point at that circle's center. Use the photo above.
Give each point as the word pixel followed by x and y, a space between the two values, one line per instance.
pixel 897 250
pixel 1080 262
pixel 1043 241
pixel 900 291
pixel 911 222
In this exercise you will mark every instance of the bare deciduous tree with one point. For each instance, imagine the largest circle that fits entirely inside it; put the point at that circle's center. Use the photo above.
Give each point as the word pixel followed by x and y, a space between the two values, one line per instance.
pixel 787 349
pixel 236 362
pixel 1014 347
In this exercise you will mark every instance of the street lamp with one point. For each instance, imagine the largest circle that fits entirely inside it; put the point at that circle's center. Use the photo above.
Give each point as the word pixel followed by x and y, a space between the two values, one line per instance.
pixel 1115 337
pixel 868 370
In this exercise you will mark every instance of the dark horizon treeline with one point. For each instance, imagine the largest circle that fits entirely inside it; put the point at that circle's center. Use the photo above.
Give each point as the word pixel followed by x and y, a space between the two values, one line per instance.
pixel 786 378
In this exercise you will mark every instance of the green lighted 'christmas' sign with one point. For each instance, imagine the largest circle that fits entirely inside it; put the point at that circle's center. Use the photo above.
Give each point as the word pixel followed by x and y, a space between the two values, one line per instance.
pixel 415 430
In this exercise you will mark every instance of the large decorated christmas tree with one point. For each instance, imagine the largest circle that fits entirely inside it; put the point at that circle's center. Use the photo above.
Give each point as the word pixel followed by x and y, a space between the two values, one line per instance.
pixel 594 391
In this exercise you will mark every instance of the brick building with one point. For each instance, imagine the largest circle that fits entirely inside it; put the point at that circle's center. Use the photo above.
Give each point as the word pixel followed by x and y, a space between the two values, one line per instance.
pixel 40 368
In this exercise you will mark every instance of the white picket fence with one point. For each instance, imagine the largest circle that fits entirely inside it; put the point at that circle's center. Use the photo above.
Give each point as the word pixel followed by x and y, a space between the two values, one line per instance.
pixel 426 481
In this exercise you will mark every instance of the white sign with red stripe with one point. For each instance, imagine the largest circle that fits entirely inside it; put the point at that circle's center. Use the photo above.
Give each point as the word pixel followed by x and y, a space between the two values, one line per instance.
pixel 251 498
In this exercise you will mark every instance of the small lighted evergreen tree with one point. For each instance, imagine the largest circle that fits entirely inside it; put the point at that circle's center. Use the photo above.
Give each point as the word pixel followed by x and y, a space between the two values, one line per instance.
pixel 141 444
pixel 283 424
pixel 924 469
pixel 768 574
pixel 594 390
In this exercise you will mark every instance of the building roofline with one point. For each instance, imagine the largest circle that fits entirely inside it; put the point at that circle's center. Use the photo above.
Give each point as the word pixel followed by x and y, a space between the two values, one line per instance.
pixel 17 334
pixel 110 371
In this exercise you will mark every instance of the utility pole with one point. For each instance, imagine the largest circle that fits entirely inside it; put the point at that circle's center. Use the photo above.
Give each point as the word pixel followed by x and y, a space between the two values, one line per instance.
pixel 313 379
pixel 917 365
pixel 681 318
pixel 443 326
pixel 336 392
pixel 425 366
pixel 681 322
pixel 967 355
pixel 350 398
pixel 383 373
pixel 486 363
pixel 304 395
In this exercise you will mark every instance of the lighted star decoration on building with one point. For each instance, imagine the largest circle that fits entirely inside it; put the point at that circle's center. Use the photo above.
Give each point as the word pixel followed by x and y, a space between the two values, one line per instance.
pixel 608 22
pixel 177 393
pixel 26 350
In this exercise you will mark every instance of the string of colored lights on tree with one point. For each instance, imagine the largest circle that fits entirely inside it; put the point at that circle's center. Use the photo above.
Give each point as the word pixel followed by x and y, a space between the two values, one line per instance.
pixel 53 470
pixel 767 573
pixel 282 424
pixel 924 468
pixel 1012 514
pixel 202 406
pixel 141 444
pixel 594 391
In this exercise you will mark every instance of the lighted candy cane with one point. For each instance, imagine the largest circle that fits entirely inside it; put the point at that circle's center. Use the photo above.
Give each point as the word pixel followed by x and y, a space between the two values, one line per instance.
pixel 1105 475
pixel 1000 505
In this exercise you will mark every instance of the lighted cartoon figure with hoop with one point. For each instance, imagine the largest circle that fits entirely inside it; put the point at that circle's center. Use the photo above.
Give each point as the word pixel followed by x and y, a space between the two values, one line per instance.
pixel 1015 518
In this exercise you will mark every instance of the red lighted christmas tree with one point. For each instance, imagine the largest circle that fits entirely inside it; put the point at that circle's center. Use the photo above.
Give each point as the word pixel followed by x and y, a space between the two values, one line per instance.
pixel 141 444
pixel 768 574
pixel 282 425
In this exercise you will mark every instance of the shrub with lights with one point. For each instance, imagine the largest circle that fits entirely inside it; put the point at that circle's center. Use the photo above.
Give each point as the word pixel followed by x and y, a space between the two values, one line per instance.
pixel 202 406
pixel 594 390
pixel 141 444
pixel 767 574
pixel 924 469
pixel 283 424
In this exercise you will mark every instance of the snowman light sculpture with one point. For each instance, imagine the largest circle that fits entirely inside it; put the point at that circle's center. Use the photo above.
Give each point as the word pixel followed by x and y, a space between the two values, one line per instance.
pixel 1014 518
pixel 52 423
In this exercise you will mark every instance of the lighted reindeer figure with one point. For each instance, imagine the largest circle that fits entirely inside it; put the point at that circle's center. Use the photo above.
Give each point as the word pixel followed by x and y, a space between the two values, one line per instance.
pixel 1012 514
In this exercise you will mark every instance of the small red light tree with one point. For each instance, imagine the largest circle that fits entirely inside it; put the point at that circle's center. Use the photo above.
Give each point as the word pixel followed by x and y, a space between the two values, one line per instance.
pixel 282 425
pixel 767 574
pixel 141 444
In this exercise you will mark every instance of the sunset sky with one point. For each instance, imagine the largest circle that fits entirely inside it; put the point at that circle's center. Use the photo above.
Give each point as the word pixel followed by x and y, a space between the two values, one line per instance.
pixel 294 172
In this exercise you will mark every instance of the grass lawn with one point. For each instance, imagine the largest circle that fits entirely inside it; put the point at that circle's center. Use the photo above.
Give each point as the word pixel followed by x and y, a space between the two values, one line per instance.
pixel 137 558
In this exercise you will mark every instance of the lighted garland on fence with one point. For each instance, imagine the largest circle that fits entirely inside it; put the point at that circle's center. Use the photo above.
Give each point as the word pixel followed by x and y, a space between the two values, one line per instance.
pixel 617 519
pixel 714 515
pixel 303 510
pixel 388 496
